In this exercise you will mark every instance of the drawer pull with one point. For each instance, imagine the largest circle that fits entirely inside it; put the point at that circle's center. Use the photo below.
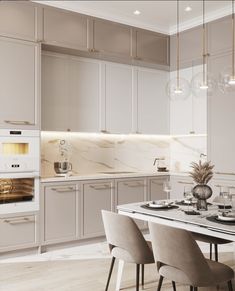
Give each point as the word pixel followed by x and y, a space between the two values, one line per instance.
pixel 134 185
pixel 19 122
pixel 101 187
pixel 61 190
pixel 187 183
pixel 224 173
pixel 18 220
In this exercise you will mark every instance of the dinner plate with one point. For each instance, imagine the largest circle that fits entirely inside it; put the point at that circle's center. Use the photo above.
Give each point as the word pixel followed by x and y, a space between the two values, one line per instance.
pixel 226 217
pixel 159 206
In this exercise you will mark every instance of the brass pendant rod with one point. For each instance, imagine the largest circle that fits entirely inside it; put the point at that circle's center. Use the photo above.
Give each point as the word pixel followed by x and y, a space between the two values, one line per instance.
pixel 178 47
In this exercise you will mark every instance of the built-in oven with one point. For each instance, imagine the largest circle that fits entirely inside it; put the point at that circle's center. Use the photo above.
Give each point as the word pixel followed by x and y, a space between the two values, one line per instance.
pixel 19 151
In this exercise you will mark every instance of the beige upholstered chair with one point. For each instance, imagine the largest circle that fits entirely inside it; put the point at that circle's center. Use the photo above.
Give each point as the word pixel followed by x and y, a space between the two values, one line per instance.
pixel 212 241
pixel 126 243
pixel 180 259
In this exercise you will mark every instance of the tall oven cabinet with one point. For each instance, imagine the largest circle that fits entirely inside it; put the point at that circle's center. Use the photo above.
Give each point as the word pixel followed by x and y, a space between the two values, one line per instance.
pixel 19 83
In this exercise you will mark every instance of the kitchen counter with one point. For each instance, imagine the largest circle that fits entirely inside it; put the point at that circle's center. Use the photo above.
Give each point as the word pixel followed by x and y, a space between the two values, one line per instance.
pixel 108 175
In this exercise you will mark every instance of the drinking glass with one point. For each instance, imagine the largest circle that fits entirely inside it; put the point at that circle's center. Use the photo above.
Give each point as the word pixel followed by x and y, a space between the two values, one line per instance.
pixel 167 188
pixel 188 195
pixel 224 194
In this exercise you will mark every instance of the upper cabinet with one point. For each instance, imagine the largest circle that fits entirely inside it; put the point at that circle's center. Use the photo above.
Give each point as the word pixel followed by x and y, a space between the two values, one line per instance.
pixel 65 29
pixel 152 102
pixel 188 116
pixel 118 92
pixel 151 47
pixel 111 38
pixel 20 84
pixel 22 20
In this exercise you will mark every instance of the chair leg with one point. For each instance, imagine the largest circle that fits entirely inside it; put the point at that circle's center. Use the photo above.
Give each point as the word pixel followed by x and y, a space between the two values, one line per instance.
pixel 110 273
pixel 230 286
pixel 210 251
pixel 142 275
pixel 119 274
pixel 195 288
pixel 191 288
pixel 160 283
pixel 216 252
pixel 173 285
pixel 137 277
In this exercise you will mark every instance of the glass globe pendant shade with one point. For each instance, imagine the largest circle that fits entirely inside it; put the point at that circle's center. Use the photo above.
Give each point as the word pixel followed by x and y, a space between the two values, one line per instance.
pixel 226 81
pixel 203 84
pixel 178 89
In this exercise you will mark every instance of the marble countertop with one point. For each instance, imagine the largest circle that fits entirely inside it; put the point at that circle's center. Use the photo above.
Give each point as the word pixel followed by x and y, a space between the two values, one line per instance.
pixel 108 175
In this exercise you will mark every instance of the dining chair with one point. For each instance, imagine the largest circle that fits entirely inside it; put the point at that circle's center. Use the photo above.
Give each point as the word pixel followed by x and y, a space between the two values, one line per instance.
pixel 127 244
pixel 180 259
pixel 212 241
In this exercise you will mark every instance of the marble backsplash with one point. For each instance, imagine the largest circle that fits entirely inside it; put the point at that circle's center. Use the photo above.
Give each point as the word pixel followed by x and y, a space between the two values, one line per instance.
pixel 94 153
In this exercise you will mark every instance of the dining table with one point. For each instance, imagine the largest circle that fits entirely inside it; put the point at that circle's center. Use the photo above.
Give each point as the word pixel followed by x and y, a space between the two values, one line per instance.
pixel 202 222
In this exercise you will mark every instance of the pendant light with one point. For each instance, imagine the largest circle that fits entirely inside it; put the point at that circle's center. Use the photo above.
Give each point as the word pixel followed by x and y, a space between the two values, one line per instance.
pixel 178 88
pixel 227 77
pixel 203 81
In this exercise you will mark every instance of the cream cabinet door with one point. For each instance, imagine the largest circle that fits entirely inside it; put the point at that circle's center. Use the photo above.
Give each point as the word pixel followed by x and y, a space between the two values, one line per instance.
pixel 60 218
pixel 178 183
pixel 118 97
pixel 84 95
pixel 152 102
pixel 131 191
pixel 19 19
pixel 156 191
pixel 66 29
pixel 96 196
pixel 20 83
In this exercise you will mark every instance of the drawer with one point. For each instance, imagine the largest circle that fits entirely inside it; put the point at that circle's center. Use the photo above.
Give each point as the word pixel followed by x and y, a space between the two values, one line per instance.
pixel 18 232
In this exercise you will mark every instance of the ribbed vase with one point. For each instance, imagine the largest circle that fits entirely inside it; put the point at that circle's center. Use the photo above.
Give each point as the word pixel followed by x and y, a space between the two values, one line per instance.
pixel 202 192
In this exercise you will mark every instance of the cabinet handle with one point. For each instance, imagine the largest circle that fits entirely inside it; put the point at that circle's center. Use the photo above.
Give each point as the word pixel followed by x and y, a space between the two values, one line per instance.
pixel 224 173
pixel 182 182
pixel 93 50
pixel 61 190
pixel 101 187
pixel 104 131
pixel 192 132
pixel 134 185
pixel 19 122
pixel 18 220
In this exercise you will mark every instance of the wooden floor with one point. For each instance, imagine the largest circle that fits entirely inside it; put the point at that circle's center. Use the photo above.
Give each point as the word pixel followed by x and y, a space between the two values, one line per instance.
pixel 80 275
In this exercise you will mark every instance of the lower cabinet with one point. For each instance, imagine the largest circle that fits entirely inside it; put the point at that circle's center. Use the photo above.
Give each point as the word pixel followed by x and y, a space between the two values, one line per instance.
pixel 178 184
pixel 156 191
pixel 131 191
pixel 96 196
pixel 60 205
pixel 18 232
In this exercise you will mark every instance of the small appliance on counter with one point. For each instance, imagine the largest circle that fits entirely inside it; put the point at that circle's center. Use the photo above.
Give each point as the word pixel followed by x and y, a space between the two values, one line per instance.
pixel 161 164
pixel 63 167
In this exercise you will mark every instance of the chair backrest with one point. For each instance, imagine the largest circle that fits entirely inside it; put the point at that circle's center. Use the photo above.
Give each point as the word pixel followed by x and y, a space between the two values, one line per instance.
pixel 177 248
pixel 121 231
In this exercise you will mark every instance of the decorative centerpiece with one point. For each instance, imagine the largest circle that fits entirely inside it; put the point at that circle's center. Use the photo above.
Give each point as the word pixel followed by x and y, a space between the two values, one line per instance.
pixel 202 174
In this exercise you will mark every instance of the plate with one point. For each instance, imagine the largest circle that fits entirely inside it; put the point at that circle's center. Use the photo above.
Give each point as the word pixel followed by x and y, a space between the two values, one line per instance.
pixel 226 217
pixel 160 205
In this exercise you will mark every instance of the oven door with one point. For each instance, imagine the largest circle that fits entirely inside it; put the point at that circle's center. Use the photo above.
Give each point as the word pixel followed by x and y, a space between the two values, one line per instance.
pixel 19 193
pixel 19 154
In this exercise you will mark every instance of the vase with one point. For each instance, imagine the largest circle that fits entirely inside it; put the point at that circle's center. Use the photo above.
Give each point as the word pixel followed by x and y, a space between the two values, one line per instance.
pixel 202 192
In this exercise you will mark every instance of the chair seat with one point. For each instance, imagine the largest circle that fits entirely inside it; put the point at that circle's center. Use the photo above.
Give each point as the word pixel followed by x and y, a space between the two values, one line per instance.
pixel 221 273
pixel 209 239
pixel 124 255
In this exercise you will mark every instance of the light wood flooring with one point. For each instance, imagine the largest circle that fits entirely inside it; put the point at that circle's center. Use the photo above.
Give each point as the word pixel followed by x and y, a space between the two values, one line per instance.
pixel 81 275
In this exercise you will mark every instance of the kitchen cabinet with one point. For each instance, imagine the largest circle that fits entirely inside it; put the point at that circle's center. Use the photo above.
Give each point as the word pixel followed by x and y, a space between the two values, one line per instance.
pixel 151 47
pixel 20 84
pixel 111 38
pixel 118 91
pixel 65 29
pixel 131 191
pixel 152 102
pixel 178 183
pixel 221 119
pixel 69 103
pixel 156 191
pixel 96 196
pixel 190 47
pixel 12 228
pixel 188 116
pixel 60 205
pixel 21 20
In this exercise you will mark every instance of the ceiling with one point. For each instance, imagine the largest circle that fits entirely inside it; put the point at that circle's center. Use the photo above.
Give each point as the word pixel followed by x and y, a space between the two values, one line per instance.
pixel 155 15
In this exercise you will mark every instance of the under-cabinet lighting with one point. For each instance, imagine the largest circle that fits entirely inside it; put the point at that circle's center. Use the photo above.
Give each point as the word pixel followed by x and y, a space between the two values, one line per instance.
pixel 188 9
pixel 137 12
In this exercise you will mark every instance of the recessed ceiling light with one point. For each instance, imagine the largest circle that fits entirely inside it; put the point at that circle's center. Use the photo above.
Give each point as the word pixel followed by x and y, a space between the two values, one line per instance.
pixel 188 9
pixel 137 12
